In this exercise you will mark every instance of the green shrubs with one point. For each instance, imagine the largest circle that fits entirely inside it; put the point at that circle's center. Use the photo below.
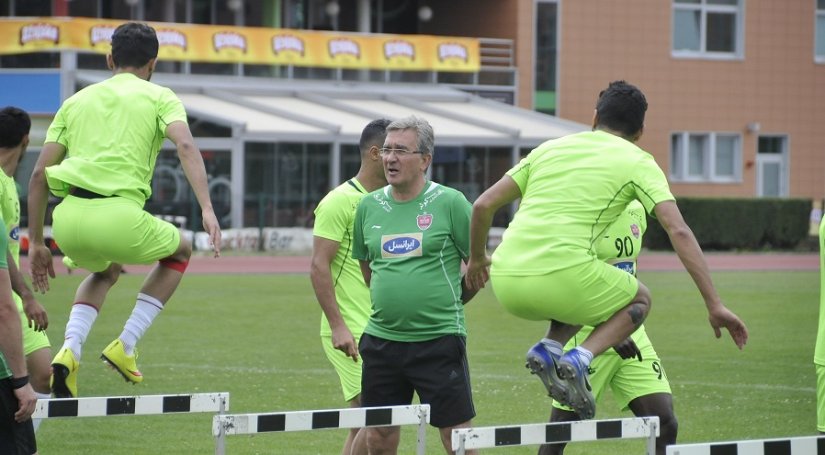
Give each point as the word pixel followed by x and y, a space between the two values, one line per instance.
pixel 739 224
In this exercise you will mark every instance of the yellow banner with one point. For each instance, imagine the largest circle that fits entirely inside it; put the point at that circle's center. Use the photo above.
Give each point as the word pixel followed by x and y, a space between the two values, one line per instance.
pixel 267 46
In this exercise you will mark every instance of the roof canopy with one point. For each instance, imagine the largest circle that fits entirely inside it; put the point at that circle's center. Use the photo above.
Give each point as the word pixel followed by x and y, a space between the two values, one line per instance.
pixel 313 111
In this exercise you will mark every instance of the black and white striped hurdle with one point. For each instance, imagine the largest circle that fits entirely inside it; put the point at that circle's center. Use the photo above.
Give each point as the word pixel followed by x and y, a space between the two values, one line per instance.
pixel 231 424
pixel 549 433
pixel 131 405
pixel 805 445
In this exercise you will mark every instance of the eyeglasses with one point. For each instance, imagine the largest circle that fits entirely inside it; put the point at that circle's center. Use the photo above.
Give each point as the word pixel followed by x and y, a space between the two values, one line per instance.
pixel 398 152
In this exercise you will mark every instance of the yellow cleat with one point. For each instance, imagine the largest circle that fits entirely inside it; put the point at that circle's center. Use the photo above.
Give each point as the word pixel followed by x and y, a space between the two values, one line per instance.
pixel 64 374
pixel 126 365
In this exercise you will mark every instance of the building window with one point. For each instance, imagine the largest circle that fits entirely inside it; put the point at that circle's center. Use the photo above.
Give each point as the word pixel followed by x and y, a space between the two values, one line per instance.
pixel 546 48
pixel 705 157
pixel 820 31
pixel 708 28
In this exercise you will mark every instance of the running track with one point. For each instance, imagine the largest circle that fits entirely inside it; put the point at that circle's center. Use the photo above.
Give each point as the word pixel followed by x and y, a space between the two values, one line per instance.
pixel 648 261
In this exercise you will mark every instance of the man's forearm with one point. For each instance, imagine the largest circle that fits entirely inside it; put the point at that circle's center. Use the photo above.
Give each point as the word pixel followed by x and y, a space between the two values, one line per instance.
pixel 37 202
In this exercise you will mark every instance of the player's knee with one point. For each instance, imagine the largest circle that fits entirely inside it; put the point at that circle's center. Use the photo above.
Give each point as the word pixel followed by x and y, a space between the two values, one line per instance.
pixel 39 380
pixel 110 275
pixel 180 258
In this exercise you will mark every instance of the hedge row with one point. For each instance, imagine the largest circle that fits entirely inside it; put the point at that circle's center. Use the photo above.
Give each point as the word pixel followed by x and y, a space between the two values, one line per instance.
pixel 739 224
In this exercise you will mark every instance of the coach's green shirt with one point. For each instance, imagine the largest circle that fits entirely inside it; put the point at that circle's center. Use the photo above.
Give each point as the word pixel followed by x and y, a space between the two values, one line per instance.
pixel 5 371
pixel 572 189
pixel 415 249
pixel 819 351
pixel 112 131
pixel 333 221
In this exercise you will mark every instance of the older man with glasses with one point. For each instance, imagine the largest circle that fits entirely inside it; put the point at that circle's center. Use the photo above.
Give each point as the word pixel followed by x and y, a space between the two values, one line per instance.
pixel 410 238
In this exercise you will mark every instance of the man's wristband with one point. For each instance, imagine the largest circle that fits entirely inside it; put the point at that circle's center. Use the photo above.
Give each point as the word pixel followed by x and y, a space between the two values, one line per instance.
pixel 17 383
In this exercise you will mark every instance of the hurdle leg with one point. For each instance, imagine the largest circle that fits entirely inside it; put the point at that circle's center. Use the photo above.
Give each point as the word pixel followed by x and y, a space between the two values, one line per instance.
pixel 220 439
pixel 461 449
pixel 421 446
pixel 651 440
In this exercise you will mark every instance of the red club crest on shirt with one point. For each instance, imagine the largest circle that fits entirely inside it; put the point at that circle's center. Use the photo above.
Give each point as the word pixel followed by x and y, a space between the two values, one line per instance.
pixel 424 221
pixel 634 229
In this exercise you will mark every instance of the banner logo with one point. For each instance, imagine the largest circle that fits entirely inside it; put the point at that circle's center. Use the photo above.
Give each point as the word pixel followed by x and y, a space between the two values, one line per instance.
pixel 288 43
pixel 229 40
pixel 450 51
pixel 39 32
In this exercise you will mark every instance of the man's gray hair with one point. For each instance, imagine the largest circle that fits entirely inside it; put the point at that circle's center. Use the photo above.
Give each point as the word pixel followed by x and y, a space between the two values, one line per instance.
pixel 426 137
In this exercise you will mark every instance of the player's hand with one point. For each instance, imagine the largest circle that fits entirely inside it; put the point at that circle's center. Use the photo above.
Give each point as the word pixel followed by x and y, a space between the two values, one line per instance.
pixel 343 340
pixel 36 314
pixel 40 266
pixel 478 272
pixel 721 317
pixel 27 401
pixel 213 228
pixel 627 349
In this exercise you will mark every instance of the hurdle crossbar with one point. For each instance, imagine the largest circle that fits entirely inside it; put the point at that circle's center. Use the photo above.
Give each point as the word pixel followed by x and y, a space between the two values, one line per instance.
pixel 131 405
pixel 231 424
pixel 804 445
pixel 550 433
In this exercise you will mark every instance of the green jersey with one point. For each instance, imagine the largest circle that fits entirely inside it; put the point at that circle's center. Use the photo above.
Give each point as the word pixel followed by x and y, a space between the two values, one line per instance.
pixel 819 351
pixel 572 189
pixel 5 371
pixel 10 212
pixel 620 246
pixel 415 249
pixel 333 221
pixel 112 131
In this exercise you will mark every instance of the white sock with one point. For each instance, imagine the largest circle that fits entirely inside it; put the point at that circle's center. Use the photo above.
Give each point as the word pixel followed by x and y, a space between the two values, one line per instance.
pixel 585 355
pixel 146 308
pixel 40 396
pixel 553 346
pixel 77 329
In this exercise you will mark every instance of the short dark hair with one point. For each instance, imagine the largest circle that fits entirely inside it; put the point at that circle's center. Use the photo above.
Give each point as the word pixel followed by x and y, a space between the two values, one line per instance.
pixel 374 134
pixel 14 124
pixel 133 45
pixel 621 107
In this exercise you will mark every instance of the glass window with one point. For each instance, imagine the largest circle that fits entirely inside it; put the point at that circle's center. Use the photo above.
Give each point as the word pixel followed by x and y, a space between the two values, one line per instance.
pixel 686 31
pixel 696 156
pixel 721 30
pixel 819 45
pixel 284 183
pixel 707 28
pixel 546 50
pixel 725 156
pixel 705 157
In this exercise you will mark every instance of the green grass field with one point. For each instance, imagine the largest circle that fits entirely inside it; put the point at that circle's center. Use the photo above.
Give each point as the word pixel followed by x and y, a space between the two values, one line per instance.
pixel 256 336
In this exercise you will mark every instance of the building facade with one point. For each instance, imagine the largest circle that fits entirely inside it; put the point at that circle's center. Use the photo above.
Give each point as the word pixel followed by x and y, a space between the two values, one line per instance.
pixel 735 87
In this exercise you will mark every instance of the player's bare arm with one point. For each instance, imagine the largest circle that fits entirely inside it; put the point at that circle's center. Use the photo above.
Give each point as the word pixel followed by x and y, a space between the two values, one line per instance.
pixel 35 313
pixel 195 171
pixel 323 252
pixel 40 257
pixel 500 194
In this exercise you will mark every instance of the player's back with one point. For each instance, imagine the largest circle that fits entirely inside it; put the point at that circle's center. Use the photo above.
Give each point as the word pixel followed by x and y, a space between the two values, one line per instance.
pixel 576 187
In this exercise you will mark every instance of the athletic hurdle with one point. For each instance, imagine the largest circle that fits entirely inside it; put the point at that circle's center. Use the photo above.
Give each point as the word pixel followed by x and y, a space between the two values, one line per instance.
pixel 132 405
pixel 805 445
pixel 550 433
pixel 229 424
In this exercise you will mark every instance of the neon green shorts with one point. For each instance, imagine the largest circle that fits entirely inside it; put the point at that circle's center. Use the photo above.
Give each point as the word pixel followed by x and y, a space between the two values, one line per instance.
pixel 97 232
pixel 628 378
pixel 32 339
pixel 820 397
pixel 349 372
pixel 586 294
